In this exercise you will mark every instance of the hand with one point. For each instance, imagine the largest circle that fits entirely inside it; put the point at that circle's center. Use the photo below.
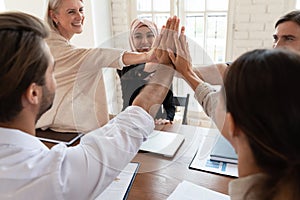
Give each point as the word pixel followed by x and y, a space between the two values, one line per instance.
pixel 165 41
pixel 182 59
pixel 161 121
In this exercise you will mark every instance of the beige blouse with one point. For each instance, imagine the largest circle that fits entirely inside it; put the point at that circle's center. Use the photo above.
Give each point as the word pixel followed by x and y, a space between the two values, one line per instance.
pixel 80 103
pixel 247 188
pixel 207 96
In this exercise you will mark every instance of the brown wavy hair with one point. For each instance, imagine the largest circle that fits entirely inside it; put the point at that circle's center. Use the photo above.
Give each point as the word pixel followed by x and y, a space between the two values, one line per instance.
pixel 22 59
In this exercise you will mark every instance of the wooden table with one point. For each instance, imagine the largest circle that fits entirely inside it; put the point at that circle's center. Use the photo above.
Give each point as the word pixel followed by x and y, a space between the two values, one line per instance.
pixel 158 176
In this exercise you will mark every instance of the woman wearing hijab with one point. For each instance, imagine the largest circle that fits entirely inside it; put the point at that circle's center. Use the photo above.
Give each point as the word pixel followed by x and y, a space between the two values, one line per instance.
pixel 135 77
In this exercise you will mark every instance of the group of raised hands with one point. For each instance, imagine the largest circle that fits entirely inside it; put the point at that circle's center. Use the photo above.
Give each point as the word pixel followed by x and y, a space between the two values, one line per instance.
pixel 171 48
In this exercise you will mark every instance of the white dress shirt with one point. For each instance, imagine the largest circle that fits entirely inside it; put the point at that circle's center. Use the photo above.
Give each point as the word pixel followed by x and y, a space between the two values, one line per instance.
pixel 29 170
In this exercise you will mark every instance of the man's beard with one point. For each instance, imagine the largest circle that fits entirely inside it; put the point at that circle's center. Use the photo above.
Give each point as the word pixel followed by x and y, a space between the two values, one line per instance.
pixel 46 103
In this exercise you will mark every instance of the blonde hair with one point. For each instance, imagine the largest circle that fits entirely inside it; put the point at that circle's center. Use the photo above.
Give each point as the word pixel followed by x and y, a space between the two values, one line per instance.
pixel 52 5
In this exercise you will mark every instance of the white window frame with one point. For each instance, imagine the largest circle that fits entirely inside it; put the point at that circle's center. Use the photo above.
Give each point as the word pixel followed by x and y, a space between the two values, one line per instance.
pixel 177 8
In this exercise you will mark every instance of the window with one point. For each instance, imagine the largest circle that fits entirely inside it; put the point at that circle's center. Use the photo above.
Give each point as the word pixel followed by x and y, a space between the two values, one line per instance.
pixel 205 22
pixel 206 29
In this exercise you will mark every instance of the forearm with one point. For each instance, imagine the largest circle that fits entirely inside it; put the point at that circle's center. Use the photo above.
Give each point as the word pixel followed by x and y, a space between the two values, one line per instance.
pixel 92 161
pixel 212 74
pixel 204 93
pixel 207 96
pixel 192 79
pixel 151 98
pixel 154 93
pixel 131 58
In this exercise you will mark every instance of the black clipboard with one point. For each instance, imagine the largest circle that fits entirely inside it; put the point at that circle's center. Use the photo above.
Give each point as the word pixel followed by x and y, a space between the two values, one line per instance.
pixel 67 138
pixel 132 179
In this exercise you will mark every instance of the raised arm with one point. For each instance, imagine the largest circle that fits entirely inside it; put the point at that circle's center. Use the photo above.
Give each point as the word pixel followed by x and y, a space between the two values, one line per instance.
pixel 131 58
pixel 204 93
pixel 213 74
pixel 182 60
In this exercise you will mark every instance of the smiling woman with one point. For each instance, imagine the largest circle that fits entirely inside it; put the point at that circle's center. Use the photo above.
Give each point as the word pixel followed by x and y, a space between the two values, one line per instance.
pixel 67 17
pixel 80 103
pixel 135 77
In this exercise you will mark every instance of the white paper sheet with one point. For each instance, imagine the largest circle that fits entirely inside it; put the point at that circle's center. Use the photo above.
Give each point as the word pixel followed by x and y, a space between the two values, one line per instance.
pixel 190 191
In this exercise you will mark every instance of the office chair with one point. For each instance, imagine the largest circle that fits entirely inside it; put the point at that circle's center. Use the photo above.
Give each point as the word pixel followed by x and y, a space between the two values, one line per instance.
pixel 183 102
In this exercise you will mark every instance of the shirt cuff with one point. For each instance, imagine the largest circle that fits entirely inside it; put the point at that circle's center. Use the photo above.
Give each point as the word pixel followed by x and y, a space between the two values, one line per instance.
pixel 202 90
pixel 121 63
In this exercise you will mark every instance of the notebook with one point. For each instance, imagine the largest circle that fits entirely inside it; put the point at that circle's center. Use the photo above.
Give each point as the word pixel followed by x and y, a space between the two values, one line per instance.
pixel 202 161
pixel 163 143
pixel 223 151
pixel 119 189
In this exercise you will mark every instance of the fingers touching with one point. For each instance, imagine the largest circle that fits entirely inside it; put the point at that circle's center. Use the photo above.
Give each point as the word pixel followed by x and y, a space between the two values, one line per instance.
pixel 172 44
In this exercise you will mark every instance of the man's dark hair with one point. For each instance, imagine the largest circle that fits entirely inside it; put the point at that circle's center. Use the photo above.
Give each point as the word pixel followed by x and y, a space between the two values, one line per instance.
pixel 293 16
pixel 22 60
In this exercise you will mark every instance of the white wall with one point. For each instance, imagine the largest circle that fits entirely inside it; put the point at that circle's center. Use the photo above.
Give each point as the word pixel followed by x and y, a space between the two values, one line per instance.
pixel 2 5
pixel 252 24
pixel 38 9
pixel 101 10
pixel 34 7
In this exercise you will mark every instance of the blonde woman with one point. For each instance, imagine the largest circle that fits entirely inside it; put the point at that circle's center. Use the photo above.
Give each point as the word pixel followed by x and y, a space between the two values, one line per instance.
pixel 80 103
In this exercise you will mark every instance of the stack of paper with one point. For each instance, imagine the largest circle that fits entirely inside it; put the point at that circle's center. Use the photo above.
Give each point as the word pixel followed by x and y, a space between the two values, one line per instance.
pixel 191 191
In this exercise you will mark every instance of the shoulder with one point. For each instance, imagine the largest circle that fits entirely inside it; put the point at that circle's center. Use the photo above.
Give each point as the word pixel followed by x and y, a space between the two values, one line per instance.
pixel 249 187
pixel 55 36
